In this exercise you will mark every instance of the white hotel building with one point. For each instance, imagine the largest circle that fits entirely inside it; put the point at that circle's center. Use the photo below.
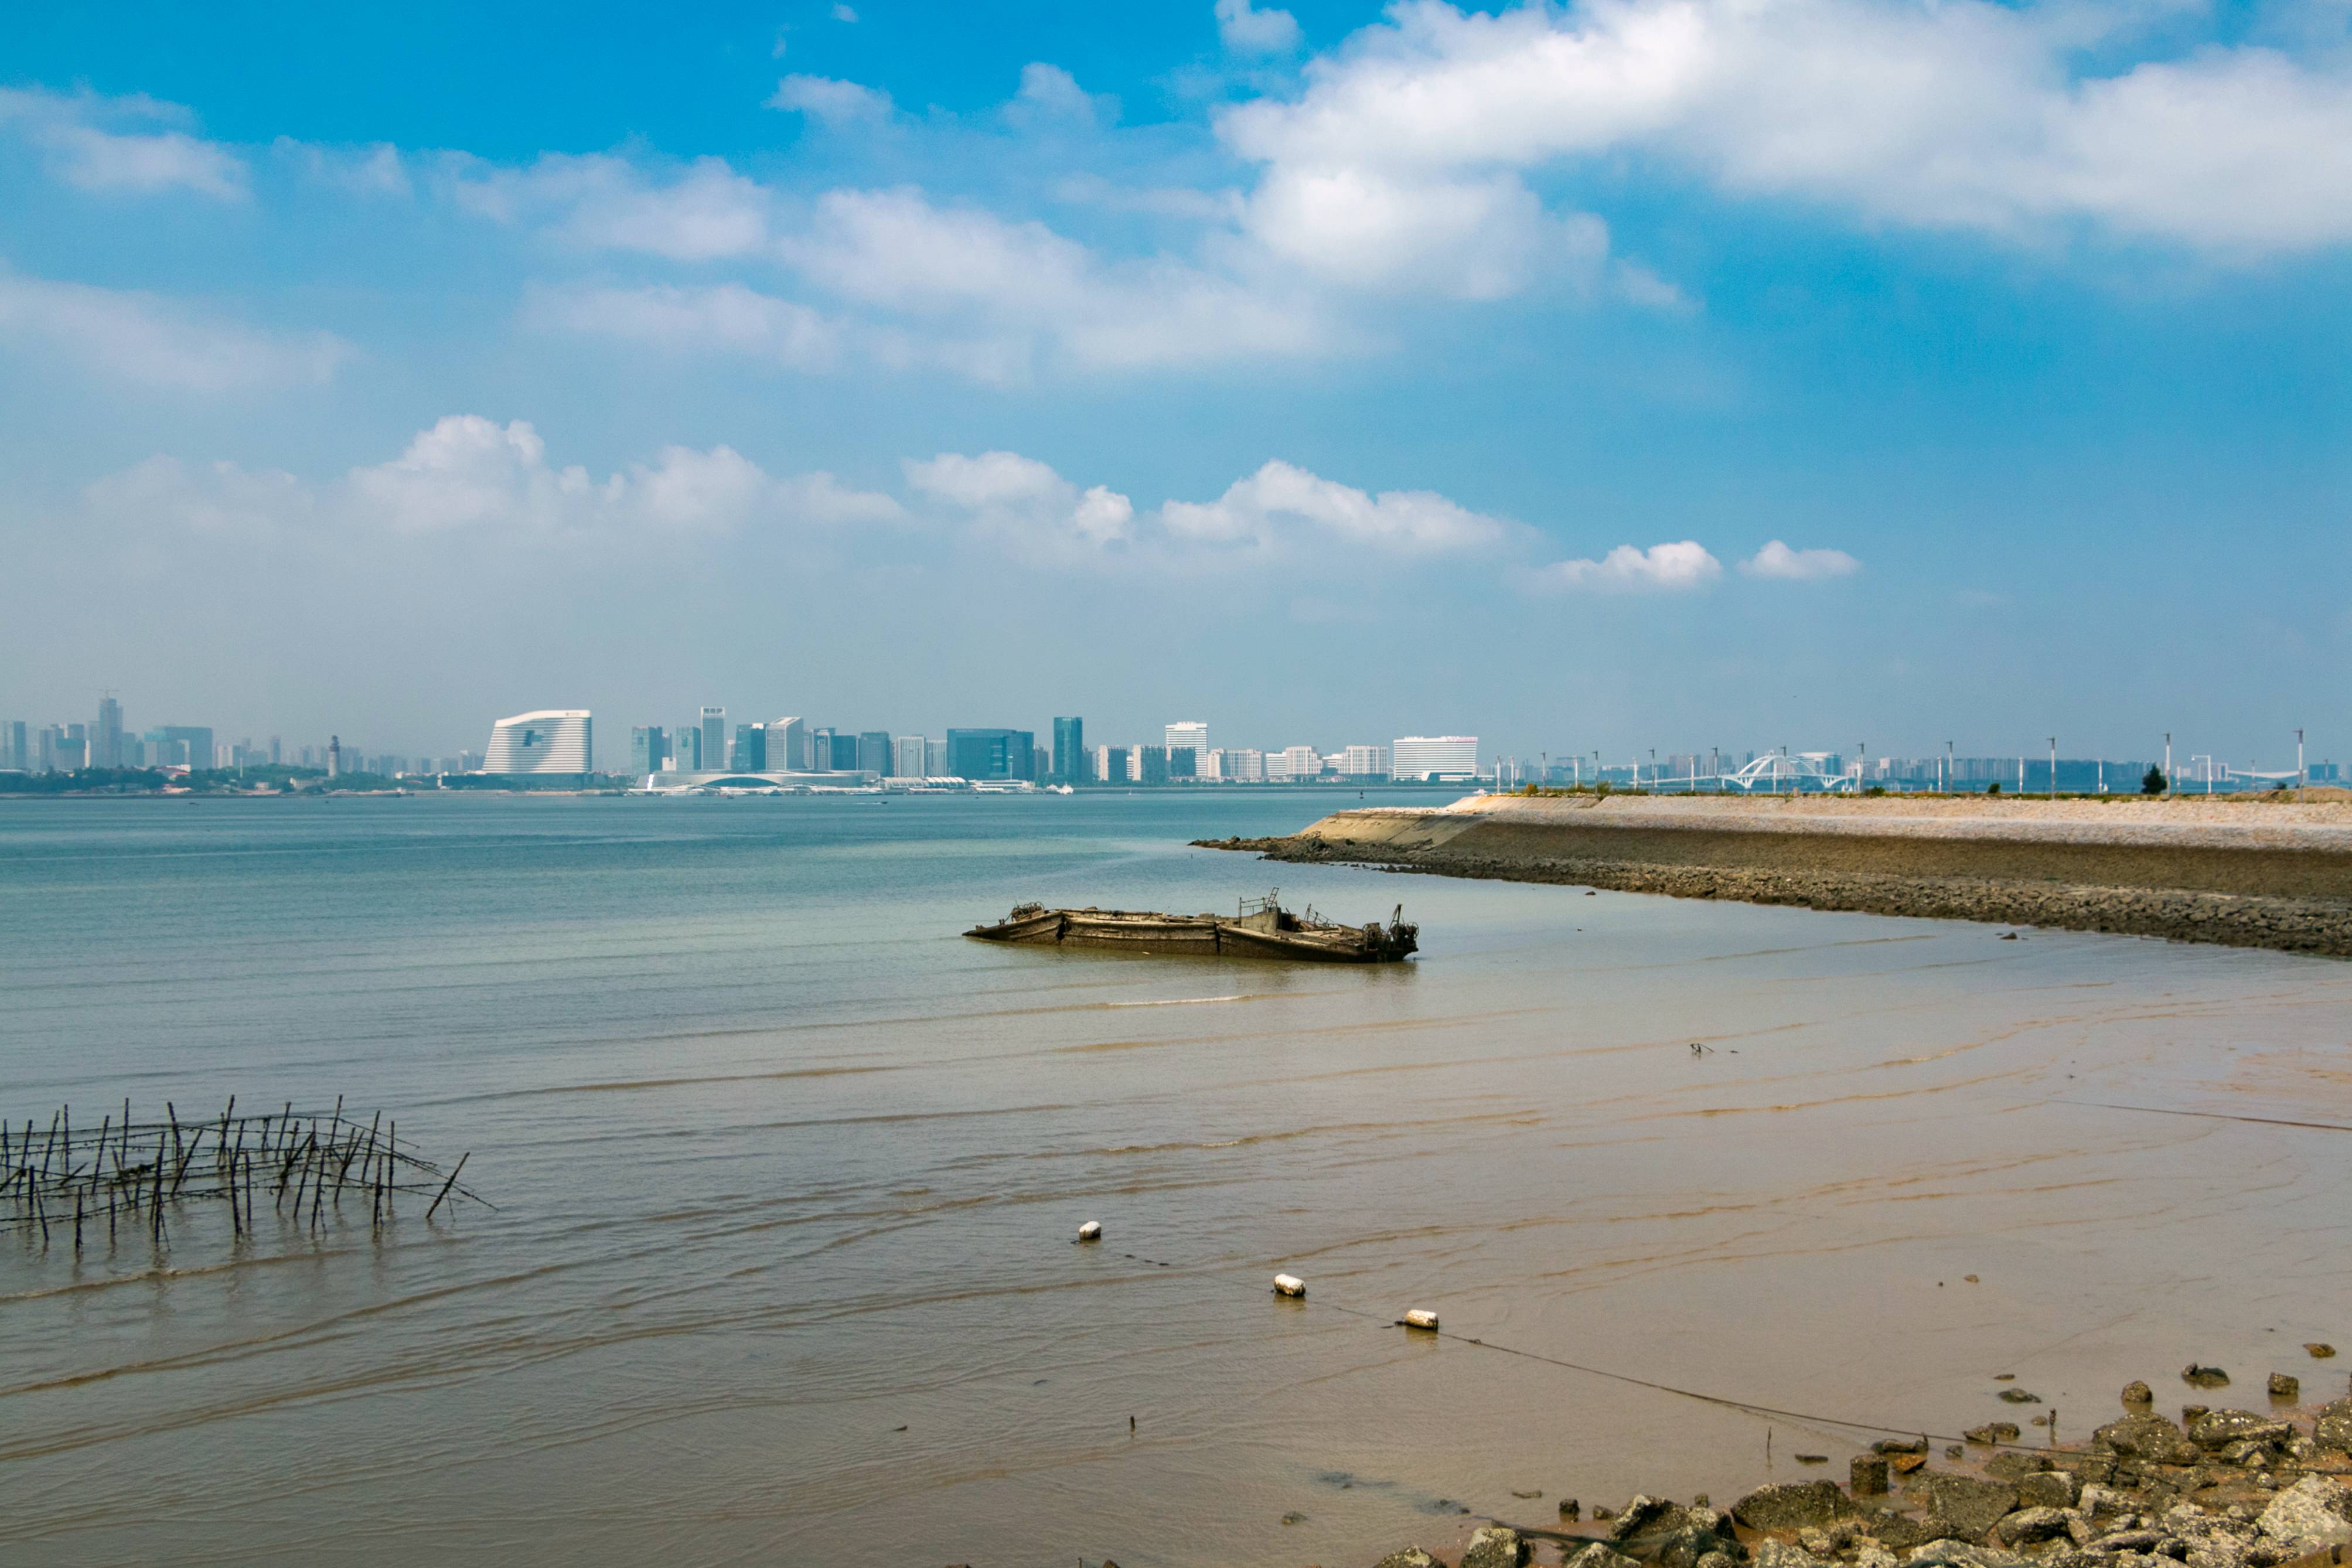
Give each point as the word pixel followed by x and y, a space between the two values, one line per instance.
pixel 1443 757
pixel 551 740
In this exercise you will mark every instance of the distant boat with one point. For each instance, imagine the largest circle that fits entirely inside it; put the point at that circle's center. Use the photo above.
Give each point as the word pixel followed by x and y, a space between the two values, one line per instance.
pixel 1261 928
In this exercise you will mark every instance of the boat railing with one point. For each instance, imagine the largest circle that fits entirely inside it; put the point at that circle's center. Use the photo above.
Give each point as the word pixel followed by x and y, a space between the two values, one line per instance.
pixel 1246 907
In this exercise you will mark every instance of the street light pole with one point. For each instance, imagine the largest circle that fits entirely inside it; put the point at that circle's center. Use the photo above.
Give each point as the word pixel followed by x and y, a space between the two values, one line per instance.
pixel 2054 767
pixel 2168 762
pixel 1951 765
pixel 2301 785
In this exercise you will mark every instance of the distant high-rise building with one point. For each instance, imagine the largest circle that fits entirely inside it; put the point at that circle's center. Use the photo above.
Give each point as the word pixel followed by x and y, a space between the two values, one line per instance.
pixel 979 754
pixel 906 757
pixel 1244 766
pixel 1151 764
pixel 820 744
pixel 648 749
pixel 12 743
pixel 750 752
pixel 49 743
pixel 182 745
pixel 1069 750
pixel 1111 763
pixel 548 740
pixel 1298 764
pixel 714 736
pixel 1187 733
pixel 335 754
pixel 874 751
pixel 276 752
pixel 844 749
pixel 686 747
pixel 1183 763
pixel 1362 762
pixel 1434 757
pixel 935 758
pixel 106 735
pixel 788 747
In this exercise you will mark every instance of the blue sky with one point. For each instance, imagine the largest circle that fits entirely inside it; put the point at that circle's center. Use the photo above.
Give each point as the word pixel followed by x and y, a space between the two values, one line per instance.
pixel 1673 373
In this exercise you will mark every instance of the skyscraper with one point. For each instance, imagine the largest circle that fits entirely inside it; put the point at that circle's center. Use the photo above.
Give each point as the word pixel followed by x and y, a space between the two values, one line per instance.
pixel 1187 733
pixel 906 757
pixel 1069 750
pixel 686 745
pixel 13 752
pixel 1420 757
pixel 820 749
pixel 106 737
pixel 979 754
pixel 714 737
pixel 548 740
pixel 788 749
pixel 1152 766
pixel 648 748
pixel 751 753
pixel 187 746
pixel 873 752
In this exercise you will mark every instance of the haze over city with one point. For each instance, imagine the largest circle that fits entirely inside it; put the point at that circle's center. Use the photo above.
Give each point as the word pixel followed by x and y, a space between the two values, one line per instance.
pixel 394 373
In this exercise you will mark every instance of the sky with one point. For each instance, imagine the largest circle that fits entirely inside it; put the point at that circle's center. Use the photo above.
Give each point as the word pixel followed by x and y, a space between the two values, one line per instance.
pixel 1639 373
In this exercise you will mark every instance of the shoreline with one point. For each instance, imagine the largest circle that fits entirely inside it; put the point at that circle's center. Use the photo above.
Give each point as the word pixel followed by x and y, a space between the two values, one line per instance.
pixel 2268 876
pixel 2219 1489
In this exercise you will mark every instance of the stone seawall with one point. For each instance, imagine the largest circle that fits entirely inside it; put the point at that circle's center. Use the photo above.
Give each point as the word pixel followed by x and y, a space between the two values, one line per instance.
pixel 2271 881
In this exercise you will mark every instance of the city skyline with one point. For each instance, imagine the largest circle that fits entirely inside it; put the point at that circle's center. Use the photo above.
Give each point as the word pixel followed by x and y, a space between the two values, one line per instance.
pixel 1150 361
pixel 714 741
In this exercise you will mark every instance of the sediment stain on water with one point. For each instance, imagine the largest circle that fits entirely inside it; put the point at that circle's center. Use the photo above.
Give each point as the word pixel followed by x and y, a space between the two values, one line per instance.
pixel 785 1165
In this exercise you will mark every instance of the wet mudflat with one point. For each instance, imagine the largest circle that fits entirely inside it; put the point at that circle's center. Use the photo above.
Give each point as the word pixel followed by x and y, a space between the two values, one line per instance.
pixel 788 1176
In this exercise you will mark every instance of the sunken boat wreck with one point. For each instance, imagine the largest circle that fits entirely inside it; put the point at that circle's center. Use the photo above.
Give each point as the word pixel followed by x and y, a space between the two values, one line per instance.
pixel 1259 928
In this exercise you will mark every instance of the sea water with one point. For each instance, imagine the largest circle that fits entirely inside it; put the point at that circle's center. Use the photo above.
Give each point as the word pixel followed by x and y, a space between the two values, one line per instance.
pixel 787 1174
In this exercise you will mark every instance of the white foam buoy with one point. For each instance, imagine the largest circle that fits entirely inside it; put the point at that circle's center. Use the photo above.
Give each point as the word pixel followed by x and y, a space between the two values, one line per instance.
pixel 1420 1317
pixel 1289 1285
pixel 1090 1231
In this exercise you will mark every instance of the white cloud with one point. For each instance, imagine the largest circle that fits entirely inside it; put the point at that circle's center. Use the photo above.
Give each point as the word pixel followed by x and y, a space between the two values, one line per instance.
pixel 1049 93
pixel 1248 30
pixel 707 213
pixel 1022 283
pixel 1026 507
pixel 844 13
pixel 726 318
pixel 1964 114
pixel 1777 560
pixel 151 342
pixel 1472 238
pixel 72 130
pixel 1282 503
pixel 830 102
pixel 372 171
pixel 1281 511
pixel 468 474
pixel 1662 568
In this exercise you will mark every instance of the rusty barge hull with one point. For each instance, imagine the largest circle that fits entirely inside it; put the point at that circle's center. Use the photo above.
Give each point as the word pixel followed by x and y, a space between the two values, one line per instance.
pixel 1265 933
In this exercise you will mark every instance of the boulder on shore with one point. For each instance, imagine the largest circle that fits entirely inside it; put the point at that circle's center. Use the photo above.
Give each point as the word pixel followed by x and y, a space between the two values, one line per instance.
pixel 2029 1525
pixel 2150 1438
pixel 1411 1557
pixel 1792 1505
pixel 2221 1428
pixel 2312 1515
pixel 1496 1546
pixel 1963 1507
pixel 2334 1428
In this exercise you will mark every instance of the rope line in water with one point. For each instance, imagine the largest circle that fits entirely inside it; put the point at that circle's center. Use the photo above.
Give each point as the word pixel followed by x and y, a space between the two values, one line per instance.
pixel 1721 1401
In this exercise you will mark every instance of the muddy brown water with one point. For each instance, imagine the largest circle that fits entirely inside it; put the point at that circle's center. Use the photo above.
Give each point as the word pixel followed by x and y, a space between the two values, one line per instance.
pixel 788 1176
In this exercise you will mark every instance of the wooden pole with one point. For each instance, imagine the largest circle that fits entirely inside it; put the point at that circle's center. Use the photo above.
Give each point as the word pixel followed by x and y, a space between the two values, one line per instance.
pixel 450 1183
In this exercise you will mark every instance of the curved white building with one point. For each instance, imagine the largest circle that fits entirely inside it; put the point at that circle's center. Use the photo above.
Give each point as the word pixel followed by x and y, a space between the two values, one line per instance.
pixel 552 741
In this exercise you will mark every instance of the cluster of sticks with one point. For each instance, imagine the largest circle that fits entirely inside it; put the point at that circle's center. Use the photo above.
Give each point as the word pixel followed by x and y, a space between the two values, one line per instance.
pixel 303 1163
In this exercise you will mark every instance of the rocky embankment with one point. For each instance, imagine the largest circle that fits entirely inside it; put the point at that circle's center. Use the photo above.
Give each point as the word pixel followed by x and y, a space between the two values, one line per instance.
pixel 2247 875
pixel 2222 1489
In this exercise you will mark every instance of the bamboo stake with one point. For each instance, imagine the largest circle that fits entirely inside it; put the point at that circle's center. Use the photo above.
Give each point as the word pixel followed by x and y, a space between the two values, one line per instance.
pixel 450 1183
